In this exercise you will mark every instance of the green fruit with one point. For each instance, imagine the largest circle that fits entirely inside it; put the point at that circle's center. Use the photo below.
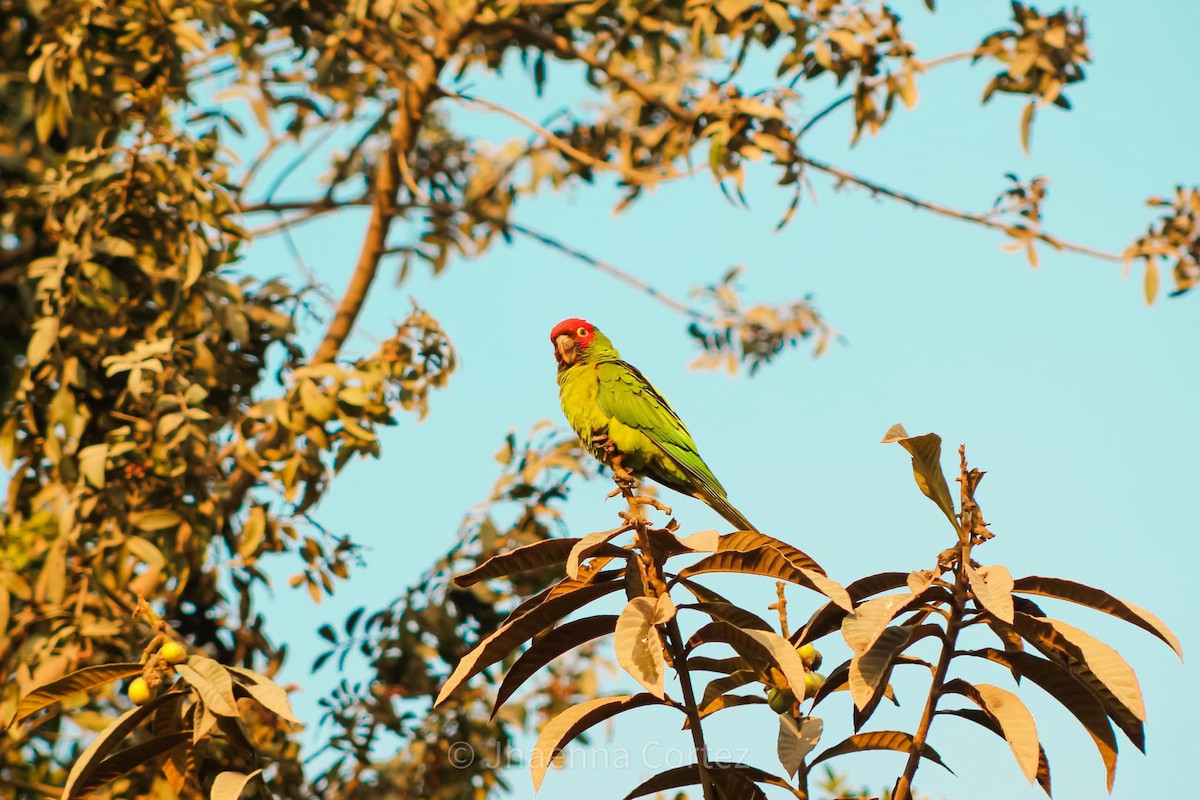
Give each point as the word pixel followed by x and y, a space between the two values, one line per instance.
pixel 139 691
pixel 780 700
pixel 810 656
pixel 173 653
pixel 813 683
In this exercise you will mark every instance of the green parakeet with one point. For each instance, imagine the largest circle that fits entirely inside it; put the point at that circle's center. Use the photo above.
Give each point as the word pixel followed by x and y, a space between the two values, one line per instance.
pixel 616 412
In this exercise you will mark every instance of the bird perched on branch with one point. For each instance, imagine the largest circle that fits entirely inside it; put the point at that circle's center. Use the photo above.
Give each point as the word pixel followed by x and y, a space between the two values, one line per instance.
pixel 625 422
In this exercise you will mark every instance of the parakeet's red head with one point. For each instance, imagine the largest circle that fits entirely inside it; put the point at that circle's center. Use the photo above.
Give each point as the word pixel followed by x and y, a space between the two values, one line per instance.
pixel 572 338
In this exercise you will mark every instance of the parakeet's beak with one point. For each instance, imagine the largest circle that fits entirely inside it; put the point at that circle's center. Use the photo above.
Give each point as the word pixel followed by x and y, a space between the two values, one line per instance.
pixel 564 345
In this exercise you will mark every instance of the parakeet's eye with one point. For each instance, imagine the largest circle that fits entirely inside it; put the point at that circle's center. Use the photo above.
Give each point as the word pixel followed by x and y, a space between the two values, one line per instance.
pixel 583 332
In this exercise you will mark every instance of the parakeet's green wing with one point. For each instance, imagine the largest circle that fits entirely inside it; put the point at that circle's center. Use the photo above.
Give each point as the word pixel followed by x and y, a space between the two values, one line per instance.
pixel 627 396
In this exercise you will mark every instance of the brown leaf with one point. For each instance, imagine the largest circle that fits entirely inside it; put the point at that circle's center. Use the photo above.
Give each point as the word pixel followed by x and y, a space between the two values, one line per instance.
pixel 926 452
pixel 717 687
pixel 772 563
pixel 878 740
pixel 639 646
pixel 796 741
pixel 229 785
pixel 861 628
pixel 689 775
pixel 212 682
pixel 269 694
pixel 734 615
pixel 993 589
pixel 1013 718
pixel 549 647
pixel 522 559
pixel 588 545
pixel 561 730
pixel 520 627
pixel 1101 601
pixel 79 681
pixel 123 762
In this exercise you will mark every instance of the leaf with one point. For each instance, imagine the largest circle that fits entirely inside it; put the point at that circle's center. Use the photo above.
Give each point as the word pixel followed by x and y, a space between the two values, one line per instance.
pixel 1016 724
pixel 267 693
pixel 79 681
pixel 728 701
pixel 870 669
pixel 229 785
pixel 1026 125
pixel 795 742
pixel 746 541
pixel 522 559
pixel 926 452
pixel 1108 666
pixel 561 730
pixel 638 645
pixel 212 682
pixel 772 563
pixel 585 547
pixel 861 628
pixel 828 617
pixel 689 775
pixel 93 461
pixel 993 589
pixel 89 760
pixel 1101 601
pixel 123 762
pixel 521 626
pixel 45 336
pixel 1151 281
pixel 878 740
pixel 982 719
pixel 549 647
pixel 155 520
pixel 761 648
pixel 145 552
pixel 717 687
pixel 734 615
pixel 1070 692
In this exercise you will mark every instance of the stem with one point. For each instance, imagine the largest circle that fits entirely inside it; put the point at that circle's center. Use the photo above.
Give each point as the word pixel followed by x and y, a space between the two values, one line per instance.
pixel 675 642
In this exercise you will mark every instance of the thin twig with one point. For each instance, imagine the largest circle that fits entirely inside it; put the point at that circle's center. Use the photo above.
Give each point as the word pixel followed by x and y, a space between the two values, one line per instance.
pixel 966 216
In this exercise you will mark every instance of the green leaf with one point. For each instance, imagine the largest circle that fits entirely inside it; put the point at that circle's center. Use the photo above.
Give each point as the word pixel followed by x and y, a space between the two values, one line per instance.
pixel 926 452
pixel 79 681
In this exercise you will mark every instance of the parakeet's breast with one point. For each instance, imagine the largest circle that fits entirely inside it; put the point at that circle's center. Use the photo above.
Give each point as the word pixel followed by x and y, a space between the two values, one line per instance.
pixel 577 389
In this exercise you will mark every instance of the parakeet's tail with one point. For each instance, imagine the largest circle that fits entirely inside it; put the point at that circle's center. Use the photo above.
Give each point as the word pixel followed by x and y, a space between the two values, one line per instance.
pixel 722 506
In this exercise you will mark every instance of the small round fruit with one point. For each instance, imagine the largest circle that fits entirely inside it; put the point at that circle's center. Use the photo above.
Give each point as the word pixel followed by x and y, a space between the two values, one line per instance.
pixel 813 683
pixel 173 653
pixel 139 691
pixel 810 656
pixel 780 700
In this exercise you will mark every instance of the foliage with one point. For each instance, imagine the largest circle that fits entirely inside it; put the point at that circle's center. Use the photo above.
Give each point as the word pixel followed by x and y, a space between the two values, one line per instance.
pixel 170 421
pixel 880 625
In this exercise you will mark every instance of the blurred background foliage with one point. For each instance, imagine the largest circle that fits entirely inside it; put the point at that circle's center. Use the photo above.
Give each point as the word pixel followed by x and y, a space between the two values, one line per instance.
pixel 170 422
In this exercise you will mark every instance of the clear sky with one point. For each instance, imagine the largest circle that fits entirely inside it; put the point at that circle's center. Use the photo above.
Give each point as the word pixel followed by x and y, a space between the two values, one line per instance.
pixel 1077 399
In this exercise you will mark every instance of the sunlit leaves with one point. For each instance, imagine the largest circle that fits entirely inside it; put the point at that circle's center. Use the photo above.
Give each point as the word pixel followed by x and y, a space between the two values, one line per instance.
pixel 638 645
pixel 797 740
pixel 926 452
pixel 566 726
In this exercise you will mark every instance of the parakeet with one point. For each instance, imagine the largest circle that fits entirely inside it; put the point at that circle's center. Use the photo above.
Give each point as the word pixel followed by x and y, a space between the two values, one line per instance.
pixel 617 412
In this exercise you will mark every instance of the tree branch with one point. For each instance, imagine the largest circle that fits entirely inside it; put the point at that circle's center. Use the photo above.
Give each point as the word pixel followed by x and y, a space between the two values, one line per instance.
pixel 947 211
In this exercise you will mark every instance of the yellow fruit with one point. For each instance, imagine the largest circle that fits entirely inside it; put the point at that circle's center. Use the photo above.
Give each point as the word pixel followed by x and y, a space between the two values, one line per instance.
pixel 810 656
pixel 139 691
pixel 173 653
pixel 780 700
pixel 813 683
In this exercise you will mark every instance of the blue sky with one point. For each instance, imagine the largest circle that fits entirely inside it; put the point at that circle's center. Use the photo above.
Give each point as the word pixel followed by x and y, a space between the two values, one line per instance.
pixel 1075 397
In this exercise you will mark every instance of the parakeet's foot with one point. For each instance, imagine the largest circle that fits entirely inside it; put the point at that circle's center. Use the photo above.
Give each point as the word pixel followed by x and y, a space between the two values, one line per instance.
pixel 650 501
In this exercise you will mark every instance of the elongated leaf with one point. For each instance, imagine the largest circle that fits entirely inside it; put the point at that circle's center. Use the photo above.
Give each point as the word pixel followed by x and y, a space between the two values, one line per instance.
pixel 986 721
pixel 827 618
pixel 748 541
pixel 267 693
pixel 123 762
pixel 861 628
pixel 769 562
pixel 993 589
pixel 79 681
pixel 639 647
pixel 689 775
pixel 563 729
pixel 513 632
pixel 761 648
pixel 588 545
pixel 104 744
pixel 796 741
pixel 212 682
pixel 869 671
pixel 1013 718
pixel 1094 662
pixel 734 615
pixel 728 701
pixel 926 452
pixel 879 740
pixel 522 559
pixel 230 785
pixel 1067 689
pixel 1101 601
pixel 561 640
pixel 719 686
pixel 726 665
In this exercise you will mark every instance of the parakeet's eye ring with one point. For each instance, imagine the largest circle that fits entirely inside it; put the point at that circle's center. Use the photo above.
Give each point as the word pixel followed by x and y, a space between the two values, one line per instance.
pixel 583 332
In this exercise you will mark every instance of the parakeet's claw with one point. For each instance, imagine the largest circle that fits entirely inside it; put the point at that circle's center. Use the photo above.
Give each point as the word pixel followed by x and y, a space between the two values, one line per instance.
pixel 650 501
pixel 602 444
